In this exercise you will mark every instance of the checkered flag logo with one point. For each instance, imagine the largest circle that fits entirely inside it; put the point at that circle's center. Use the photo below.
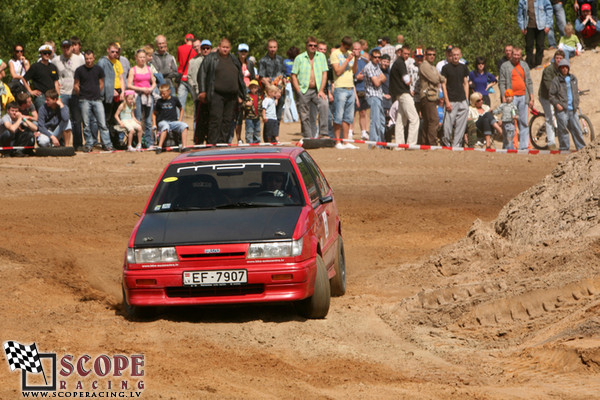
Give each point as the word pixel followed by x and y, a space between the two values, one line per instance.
pixel 23 357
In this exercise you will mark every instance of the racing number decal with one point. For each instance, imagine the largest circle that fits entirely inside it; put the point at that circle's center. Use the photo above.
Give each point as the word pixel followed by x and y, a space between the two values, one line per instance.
pixel 324 216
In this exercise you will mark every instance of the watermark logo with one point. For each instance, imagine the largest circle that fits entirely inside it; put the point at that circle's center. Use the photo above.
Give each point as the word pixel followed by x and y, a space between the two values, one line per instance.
pixel 105 375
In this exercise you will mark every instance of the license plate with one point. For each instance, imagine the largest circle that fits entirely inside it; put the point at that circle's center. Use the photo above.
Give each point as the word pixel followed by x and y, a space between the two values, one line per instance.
pixel 215 278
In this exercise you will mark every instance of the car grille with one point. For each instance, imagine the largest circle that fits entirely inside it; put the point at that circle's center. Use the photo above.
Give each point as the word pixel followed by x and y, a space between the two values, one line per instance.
pixel 212 291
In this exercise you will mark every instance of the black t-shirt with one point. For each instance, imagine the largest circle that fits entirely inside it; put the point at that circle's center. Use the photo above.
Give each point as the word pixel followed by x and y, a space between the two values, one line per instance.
pixel 397 85
pixel 226 76
pixel 166 110
pixel 455 77
pixel 42 76
pixel 89 82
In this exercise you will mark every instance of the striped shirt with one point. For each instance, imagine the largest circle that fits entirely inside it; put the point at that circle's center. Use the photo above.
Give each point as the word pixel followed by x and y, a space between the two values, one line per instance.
pixel 301 69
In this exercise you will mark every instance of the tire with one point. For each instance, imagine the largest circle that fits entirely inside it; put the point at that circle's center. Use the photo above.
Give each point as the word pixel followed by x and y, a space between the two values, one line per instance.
pixel 537 132
pixel 137 312
pixel 338 282
pixel 317 306
pixel 317 143
pixel 55 151
pixel 586 129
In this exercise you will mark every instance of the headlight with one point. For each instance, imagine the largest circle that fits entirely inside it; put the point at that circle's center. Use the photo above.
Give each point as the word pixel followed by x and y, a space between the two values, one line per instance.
pixel 275 249
pixel 151 255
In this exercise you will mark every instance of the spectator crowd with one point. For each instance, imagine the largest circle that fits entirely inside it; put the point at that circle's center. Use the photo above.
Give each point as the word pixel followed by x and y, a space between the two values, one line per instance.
pixel 70 97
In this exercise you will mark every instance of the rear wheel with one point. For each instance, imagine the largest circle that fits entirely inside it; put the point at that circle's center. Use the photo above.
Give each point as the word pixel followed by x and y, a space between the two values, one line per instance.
pixel 338 282
pixel 587 129
pixel 317 306
pixel 537 132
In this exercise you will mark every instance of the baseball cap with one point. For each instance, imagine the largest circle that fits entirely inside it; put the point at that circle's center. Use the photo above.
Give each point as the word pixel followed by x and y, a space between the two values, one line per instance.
pixel 44 47
pixel 398 47
pixel 66 42
pixel 508 93
pixel 586 7
pixel 206 42
pixel 419 52
pixel 189 36
pixel 253 82
pixel 243 46
pixel 449 47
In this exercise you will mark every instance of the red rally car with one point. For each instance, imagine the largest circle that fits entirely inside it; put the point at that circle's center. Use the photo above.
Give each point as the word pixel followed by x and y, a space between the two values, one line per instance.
pixel 237 225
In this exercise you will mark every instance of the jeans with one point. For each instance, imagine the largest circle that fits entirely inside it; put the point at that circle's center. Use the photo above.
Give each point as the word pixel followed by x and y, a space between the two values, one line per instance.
pixel 39 101
pixel 377 125
pixel 291 112
pixel 561 21
pixel 72 101
pixel 567 119
pixel 569 51
pixel 455 122
pixel 182 94
pixel 172 126
pixel 523 109
pixel 144 115
pixel 306 101
pixel 549 114
pixel 57 132
pixel 94 108
pixel 508 133
pixel 343 106
pixel 253 130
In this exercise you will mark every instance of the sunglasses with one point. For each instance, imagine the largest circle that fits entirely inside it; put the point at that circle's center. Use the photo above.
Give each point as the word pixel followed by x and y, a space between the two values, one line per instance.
pixel 205 48
pixel 431 54
pixel 18 50
pixel 375 57
pixel 311 45
pixel 46 53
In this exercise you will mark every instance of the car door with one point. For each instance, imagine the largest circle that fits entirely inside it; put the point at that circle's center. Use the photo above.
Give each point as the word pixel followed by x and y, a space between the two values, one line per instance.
pixel 323 207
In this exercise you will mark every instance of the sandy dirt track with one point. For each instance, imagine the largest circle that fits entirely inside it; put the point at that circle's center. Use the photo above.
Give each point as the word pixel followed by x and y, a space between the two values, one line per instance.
pixel 452 292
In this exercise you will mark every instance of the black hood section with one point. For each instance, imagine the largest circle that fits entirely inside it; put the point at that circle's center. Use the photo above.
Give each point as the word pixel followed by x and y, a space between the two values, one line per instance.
pixel 217 226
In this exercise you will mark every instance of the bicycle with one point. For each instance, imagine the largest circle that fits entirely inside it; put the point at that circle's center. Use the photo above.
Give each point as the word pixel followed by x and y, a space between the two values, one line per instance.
pixel 537 127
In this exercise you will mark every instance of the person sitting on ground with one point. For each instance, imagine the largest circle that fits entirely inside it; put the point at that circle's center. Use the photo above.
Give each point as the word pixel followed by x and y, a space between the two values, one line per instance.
pixel 17 129
pixel 508 117
pixel 165 118
pixel 570 42
pixel 53 121
pixel 587 26
pixel 483 119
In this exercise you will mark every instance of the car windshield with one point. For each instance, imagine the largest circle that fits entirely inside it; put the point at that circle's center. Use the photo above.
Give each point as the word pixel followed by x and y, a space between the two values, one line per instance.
pixel 227 184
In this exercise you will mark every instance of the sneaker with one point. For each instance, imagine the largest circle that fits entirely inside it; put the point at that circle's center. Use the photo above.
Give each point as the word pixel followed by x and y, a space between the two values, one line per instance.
pixel 340 146
pixel 98 146
pixel 351 146
pixel 365 135
pixel 240 142
pixel 552 147
pixel 129 148
pixel 138 147
pixel 350 133
pixel 158 150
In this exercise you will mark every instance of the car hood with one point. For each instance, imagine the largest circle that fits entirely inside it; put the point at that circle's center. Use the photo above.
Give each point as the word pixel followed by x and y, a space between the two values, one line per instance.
pixel 217 226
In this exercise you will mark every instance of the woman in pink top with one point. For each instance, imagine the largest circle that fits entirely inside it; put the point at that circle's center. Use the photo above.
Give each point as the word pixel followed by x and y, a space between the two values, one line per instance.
pixel 143 82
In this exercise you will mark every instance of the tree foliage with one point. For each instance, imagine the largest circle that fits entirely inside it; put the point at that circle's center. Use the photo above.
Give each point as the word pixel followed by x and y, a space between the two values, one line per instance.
pixel 480 27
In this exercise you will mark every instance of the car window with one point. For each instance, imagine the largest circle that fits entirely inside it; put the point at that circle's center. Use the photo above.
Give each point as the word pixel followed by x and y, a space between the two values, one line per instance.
pixel 319 178
pixel 226 184
pixel 309 180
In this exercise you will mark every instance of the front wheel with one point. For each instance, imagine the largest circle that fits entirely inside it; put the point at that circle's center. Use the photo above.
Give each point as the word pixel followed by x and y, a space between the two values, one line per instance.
pixel 317 306
pixel 537 132
pixel 137 312
pixel 586 129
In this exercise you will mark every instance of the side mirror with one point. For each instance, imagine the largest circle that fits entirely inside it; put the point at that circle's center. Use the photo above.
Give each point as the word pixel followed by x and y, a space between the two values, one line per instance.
pixel 326 199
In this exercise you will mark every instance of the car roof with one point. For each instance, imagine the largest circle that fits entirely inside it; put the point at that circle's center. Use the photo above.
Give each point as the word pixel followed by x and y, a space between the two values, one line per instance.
pixel 237 152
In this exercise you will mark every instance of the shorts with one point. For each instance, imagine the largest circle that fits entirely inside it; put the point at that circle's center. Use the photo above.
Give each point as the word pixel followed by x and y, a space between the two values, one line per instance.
pixel 271 130
pixel 343 105
pixel 172 126
pixel 363 104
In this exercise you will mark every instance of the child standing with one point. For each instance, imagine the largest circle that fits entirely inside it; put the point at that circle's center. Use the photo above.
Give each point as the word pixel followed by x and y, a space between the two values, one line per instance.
pixel 570 42
pixel 252 113
pixel 126 119
pixel 165 115
pixel 508 118
pixel 269 114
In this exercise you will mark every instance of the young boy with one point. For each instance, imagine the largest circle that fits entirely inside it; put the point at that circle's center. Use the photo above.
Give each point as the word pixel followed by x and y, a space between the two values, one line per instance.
pixel 508 118
pixel 165 118
pixel 17 130
pixel 269 114
pixel 53 121
pixel 570 42
pixel 252 113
